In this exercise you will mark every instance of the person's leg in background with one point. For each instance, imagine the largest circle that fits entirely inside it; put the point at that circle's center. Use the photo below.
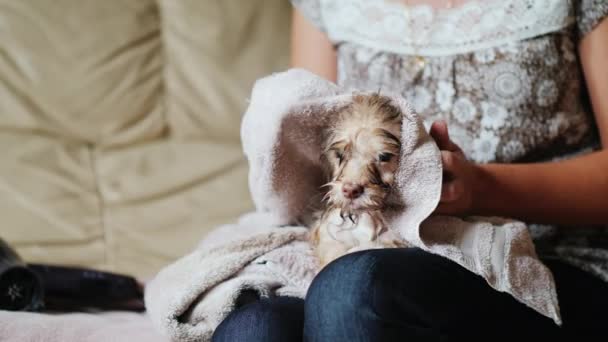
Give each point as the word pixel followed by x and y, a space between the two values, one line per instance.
pixel 278 319
pixel 409 294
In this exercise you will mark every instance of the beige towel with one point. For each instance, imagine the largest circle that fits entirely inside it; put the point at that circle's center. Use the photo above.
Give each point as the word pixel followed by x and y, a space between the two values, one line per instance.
pixel 265 251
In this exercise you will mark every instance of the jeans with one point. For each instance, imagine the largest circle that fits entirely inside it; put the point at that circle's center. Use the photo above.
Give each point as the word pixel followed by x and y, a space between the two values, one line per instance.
pixel 411 295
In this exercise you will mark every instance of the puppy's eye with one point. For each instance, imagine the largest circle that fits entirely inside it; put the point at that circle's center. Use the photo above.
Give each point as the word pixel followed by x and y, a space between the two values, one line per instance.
pixel 385 157
pixel 340 156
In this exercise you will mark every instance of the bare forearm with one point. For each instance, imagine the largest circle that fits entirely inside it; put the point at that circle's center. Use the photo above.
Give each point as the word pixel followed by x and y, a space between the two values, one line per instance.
pixel 311 49
pixel 566 192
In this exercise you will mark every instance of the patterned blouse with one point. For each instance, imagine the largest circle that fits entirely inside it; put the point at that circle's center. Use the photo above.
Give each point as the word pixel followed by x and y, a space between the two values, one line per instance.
pixel 504 74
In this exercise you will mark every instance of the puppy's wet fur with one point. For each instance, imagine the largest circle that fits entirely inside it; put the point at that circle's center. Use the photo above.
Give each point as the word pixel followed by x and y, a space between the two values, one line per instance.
pixel 361 154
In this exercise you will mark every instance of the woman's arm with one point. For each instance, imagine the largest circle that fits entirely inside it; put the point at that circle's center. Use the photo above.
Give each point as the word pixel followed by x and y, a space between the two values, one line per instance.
pixel 568 192
pixel 574 191
pixel 311 49
pixel 593 51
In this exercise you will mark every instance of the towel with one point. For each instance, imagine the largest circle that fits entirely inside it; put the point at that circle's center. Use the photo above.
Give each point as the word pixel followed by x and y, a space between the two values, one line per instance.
pixel 266 252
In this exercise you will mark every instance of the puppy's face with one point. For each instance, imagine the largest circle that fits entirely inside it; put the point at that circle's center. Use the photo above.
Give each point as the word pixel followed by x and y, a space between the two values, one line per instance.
pixel 362 152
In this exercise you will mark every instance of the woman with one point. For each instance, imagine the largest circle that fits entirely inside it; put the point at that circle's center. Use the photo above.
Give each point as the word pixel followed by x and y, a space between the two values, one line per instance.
pixel 516 82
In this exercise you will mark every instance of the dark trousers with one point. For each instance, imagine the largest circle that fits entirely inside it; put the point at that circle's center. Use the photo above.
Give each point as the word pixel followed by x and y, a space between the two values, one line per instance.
pixel 412 295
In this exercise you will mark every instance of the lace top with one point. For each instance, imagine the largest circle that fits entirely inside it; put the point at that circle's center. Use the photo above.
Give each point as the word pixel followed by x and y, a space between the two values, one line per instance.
pixel 504 74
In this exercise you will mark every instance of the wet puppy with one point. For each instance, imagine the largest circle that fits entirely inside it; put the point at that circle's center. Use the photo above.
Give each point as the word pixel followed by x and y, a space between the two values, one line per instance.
pixel 361 154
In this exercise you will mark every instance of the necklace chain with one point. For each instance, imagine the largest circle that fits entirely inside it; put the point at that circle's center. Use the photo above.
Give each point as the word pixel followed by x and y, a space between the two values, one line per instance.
pixel 420 61
pixel 447 4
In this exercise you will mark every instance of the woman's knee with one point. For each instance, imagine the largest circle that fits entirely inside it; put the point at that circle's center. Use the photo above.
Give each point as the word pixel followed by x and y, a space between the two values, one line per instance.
pixel 353 280
pixel 358 287
pixel 357 271
pixel 373 277
pixel 273 319
pixel 343 279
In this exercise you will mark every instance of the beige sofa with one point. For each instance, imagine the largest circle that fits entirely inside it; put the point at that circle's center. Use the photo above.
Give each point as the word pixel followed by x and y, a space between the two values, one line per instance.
pixel 119 124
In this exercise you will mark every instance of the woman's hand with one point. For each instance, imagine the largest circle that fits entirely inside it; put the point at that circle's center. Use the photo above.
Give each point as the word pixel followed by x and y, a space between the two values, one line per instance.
pixel 570 192
pixel 459 175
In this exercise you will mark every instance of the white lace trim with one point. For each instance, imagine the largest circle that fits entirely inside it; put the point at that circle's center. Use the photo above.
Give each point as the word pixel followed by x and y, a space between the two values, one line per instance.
pixel 423 30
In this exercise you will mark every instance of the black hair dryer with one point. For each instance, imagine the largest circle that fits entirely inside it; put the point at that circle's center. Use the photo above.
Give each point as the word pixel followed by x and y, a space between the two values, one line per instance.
pixel 20 288
pixel 34 287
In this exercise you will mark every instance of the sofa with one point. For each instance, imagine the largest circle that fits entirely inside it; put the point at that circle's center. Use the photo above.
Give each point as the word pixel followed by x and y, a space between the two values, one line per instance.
pixel 119 125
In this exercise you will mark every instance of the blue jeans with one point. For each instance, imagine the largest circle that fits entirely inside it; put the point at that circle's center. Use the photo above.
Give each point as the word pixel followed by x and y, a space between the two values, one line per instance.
pixel 412 295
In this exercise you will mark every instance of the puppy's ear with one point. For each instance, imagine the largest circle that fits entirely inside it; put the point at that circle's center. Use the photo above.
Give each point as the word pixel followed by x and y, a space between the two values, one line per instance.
pixel 392 113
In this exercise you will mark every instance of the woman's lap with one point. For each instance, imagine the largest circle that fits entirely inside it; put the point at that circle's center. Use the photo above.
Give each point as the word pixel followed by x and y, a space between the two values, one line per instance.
pixel 392 294
pixel 583 300
pixel 269 319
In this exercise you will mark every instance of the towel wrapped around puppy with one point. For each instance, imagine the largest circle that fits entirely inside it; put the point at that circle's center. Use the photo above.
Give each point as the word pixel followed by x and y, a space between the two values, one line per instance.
pixel 266 253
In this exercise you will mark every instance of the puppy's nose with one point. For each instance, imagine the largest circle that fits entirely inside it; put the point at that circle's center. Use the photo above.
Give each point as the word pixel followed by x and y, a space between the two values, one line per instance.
pixel 351 191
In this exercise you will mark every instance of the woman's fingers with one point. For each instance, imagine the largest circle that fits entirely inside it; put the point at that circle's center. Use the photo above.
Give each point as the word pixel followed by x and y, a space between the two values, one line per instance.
pixel 439 132
pixel 456 196
pixel 449 161
pixel 452 191
pixel 447 209
pixel 453 186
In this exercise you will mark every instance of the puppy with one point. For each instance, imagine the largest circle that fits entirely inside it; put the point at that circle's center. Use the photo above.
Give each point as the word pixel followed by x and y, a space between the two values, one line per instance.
pixel 361 155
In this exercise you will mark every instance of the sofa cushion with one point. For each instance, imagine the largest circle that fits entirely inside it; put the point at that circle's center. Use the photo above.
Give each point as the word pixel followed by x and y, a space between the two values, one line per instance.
pixel 49 204
pixel 161 198
pixel 214 51
pixel 83 70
